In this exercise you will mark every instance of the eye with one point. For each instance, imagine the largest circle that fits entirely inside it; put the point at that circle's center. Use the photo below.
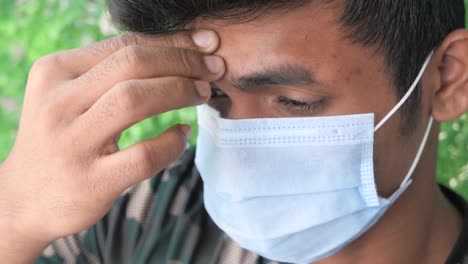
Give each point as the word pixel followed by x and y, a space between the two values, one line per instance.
pixel 216 92
pixel 301 107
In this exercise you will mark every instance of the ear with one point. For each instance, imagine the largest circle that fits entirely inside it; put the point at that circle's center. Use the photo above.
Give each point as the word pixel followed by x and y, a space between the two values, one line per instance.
pixel 450 99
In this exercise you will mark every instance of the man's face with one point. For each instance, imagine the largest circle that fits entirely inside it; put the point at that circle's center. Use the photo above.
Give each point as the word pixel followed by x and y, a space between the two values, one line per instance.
pixel 266 60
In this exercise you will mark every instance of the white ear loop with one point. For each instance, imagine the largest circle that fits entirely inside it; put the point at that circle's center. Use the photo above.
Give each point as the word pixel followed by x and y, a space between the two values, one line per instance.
pixel 407 95
pixel 407 180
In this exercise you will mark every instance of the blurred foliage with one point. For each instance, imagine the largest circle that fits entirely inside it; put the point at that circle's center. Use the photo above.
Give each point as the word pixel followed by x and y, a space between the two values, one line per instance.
pixel 30 29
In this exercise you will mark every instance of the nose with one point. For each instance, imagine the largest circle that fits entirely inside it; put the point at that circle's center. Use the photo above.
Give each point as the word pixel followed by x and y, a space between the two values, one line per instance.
pixel 242 111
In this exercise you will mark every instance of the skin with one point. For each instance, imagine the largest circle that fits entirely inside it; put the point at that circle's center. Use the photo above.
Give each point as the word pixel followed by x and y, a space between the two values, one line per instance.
pixel 66 147
pixel 422 226
pixel 69 126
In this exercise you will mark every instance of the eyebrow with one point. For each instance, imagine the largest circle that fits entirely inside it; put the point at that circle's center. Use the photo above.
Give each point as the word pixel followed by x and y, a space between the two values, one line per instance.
pixel 281 74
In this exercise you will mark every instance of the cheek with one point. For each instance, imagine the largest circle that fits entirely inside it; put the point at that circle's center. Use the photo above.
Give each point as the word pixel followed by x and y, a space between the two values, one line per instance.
pixel 393 156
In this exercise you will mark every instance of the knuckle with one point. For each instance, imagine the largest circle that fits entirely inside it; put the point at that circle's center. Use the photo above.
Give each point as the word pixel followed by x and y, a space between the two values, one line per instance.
pixel 165 89
pixel 179 85
pixel 45 66
pixel 181 39
pixel 119 42
pixel 127 95
pixel 128 86
pixel 146 160
pixel 186 60
pixel 128 39
pixel 133 56
pixel 171 91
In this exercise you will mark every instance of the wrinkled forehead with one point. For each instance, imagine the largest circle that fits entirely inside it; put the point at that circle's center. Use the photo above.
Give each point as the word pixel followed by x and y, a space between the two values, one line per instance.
pixel 309 36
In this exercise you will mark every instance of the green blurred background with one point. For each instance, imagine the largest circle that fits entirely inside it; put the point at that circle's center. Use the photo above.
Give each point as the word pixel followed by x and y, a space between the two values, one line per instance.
pixel 30 29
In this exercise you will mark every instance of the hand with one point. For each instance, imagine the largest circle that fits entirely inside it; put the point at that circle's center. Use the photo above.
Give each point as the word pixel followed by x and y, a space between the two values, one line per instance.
pixel 65 169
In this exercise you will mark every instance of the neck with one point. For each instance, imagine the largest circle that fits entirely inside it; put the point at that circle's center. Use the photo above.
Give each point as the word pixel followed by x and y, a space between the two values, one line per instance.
pixel 420 227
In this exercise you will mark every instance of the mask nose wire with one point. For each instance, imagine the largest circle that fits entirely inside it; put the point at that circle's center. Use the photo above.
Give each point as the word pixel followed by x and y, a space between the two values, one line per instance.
pixel 407 95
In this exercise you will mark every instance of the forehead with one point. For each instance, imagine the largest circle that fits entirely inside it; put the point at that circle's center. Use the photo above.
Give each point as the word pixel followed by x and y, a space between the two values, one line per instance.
pixel 309 36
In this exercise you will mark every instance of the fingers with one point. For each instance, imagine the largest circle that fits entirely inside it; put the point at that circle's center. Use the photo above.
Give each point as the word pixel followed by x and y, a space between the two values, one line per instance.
pixel 143 160
pixel 78 61
pixel 141 62
pixel 133 101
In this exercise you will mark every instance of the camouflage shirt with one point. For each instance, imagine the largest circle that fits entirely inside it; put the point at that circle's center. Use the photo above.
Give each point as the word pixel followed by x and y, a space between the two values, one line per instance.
pixel 163 220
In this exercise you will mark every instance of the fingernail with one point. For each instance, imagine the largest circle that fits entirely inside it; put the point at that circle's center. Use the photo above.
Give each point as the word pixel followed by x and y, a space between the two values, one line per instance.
pixel 187 130
pixel 203 88
pixel 214 64
pixel 204 38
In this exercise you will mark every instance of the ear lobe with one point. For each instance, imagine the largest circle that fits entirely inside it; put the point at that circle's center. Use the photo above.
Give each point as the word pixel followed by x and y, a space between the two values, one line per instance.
pixel 451 98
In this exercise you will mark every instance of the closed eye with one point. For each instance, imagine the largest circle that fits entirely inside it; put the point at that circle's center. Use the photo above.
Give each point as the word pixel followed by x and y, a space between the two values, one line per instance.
pixel 301 107
pixel 293 106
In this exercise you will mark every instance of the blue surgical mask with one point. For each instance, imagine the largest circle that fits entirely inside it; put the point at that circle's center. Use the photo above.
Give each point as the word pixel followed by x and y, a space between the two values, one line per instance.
pixel 294 190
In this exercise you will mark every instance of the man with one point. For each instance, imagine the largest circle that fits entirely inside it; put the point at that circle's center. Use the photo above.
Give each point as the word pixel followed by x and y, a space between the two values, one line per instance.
pixel 291 169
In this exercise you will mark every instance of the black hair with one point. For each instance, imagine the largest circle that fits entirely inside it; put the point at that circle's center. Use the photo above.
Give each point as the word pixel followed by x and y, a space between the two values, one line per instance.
pixel 405 31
